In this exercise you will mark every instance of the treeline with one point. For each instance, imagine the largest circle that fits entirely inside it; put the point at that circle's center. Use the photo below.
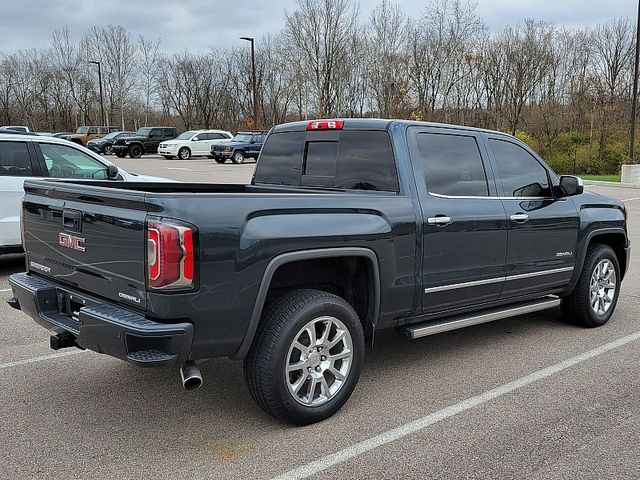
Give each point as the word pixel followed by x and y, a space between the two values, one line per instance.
pixel 565 91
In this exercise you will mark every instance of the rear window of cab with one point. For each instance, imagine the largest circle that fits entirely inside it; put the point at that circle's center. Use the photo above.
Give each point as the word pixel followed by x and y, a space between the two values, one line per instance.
pixel 348 159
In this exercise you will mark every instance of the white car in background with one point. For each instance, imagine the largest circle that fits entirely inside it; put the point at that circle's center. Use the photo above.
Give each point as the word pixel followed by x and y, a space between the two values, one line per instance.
pixel 25 157
pixel 193 143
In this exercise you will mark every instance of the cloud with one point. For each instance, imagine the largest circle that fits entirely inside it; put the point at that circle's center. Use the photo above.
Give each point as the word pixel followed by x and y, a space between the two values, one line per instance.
pixel 197 25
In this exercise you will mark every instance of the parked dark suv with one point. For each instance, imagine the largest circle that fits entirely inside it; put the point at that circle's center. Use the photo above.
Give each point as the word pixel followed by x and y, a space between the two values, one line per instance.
pixel 146 140
pixel 243 145
pixel 104 145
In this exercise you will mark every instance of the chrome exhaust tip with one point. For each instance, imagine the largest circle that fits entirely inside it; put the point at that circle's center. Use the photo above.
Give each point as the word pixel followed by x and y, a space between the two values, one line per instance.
pixel 191 377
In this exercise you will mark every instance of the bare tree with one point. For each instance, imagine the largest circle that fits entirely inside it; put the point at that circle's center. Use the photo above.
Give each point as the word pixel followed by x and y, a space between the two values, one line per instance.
pixel 318 35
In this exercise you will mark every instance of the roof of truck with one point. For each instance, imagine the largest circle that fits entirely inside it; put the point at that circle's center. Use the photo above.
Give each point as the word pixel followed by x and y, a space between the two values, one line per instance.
pixel 376 124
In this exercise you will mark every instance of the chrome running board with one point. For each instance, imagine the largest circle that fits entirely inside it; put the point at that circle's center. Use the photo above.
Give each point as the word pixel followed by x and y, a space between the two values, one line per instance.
pixel 462 321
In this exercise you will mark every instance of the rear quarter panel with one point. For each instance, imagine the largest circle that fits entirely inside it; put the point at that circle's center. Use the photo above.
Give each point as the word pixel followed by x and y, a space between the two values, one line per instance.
pixel 240 235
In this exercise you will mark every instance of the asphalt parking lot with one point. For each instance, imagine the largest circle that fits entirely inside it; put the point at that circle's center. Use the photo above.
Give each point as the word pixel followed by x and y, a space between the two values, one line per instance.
pixel 526 397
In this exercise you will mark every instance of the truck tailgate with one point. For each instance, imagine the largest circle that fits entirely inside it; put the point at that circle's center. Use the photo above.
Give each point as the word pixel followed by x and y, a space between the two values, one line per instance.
pixel 87 237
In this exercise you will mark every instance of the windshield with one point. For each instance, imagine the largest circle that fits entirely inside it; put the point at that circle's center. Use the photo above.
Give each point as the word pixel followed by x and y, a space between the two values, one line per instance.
pixel 82 130
pixel 185 135
pixel 143 132
pixel 242 137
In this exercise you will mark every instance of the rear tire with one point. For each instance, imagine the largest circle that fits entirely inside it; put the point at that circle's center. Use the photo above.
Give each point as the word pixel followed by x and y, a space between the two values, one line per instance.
pixel 595 295
pixel 135 151
pixel 303 338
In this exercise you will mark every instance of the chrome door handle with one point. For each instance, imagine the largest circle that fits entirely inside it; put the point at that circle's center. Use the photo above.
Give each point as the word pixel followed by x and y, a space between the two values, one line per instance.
pixel 519 217
pixel 440 221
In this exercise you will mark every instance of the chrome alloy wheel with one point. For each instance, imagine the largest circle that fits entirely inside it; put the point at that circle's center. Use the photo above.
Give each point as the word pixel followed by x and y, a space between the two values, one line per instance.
pixel 319 361
pixel 602 288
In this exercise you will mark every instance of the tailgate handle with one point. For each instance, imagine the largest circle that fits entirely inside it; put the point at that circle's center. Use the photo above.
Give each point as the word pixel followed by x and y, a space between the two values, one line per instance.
pixel 72 220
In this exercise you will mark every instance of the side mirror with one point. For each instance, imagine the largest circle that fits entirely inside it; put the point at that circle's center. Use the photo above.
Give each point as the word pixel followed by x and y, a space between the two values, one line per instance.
pixel 112 172
pixel 570 185
pixel 252 141
pixel 194 139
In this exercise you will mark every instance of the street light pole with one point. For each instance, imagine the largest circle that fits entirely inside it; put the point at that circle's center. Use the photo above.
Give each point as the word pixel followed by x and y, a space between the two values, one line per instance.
pixel 253 80
pixel 634 96
pixel 100 83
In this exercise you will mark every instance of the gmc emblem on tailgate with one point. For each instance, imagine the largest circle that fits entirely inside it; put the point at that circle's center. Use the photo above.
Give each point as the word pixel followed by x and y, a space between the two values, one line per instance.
pixel 71 241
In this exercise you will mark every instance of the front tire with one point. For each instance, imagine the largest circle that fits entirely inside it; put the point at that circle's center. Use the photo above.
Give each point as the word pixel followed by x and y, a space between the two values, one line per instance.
pixel 306 357
pixel 184 153
pixel 238 157
pixel 595 296
pixel 135 151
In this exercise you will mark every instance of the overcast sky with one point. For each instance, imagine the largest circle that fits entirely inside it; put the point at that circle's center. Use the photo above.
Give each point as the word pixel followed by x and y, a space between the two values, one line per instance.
pixel 196 25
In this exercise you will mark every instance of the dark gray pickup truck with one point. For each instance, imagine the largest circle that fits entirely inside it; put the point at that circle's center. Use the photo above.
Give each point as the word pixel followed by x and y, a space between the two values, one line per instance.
pixel 348 227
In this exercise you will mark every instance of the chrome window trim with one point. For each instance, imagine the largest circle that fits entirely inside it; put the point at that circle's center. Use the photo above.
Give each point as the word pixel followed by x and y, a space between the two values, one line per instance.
pixel 489 281
pixel 470 197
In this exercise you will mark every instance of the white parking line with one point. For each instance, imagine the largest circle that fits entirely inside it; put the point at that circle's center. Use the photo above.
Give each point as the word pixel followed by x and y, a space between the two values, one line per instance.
pixel 39 359
pixel 631 199
pixel 397 433
pixel 178 168
pixel 5 290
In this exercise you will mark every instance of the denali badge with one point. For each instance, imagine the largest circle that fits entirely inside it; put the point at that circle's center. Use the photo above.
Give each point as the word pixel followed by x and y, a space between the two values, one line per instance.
pixel 564 254
pixel 71 241
pixel 42 268
pixel 131 298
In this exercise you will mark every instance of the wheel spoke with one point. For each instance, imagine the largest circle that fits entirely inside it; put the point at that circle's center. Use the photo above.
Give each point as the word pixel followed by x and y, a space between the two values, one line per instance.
pixel 312 389
pixel 339 336
pixel 324 387
pixel 293 367
pixel 311 331
pixel 336 373
pixel 325 334
pixel 299 383
pixel 601 306
pixel 343 354
pixel 298 346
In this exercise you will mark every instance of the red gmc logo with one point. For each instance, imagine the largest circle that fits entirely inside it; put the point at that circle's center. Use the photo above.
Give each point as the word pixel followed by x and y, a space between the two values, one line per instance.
pixel 71 241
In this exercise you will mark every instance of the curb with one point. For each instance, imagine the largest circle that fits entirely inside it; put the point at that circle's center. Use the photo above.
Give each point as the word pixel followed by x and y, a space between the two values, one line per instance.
pixel 611 184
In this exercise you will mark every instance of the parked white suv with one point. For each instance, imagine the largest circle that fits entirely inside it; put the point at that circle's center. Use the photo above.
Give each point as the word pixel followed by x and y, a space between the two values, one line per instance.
pixel 193 143
pixel 32 156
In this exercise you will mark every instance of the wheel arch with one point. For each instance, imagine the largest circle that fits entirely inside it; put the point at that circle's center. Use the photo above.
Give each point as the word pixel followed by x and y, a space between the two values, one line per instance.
pixel 275 264
pixel 614 237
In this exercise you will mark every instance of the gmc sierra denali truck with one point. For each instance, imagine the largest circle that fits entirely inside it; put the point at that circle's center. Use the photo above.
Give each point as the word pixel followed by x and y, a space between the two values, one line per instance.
pixel 348 227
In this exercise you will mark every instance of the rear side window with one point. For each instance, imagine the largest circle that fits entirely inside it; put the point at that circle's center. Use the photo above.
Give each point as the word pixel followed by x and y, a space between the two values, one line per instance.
pixel 14 159
pixel 453 165
pixel 522 175
pixel 357 160
pixel 169 132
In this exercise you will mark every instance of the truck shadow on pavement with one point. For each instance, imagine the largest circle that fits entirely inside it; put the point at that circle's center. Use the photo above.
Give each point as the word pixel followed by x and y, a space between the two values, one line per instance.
pixel 396 367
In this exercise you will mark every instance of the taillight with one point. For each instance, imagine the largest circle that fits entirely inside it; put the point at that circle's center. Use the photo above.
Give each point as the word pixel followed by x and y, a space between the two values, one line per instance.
pixel 325 125
pixel 170 255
